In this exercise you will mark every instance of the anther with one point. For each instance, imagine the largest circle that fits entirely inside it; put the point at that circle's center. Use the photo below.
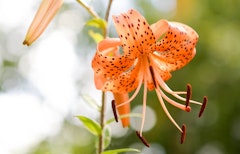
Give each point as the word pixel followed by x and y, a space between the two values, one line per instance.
pixel 188 109
pixel 183 133
pixel 189 94
pixel 114 110
pixel 205 99
pixel 152 74
pixel 144 141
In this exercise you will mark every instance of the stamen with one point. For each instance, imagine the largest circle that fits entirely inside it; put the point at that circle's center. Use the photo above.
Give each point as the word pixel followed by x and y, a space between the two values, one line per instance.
pixel 183 133
pixel 144 141
pixel 114 110
pixel 152 74
pixel 205 99
pixel 165 108
pixel 144 106
pixel 134 94
pixel 188 95
pixel 175 94
pixel 174 103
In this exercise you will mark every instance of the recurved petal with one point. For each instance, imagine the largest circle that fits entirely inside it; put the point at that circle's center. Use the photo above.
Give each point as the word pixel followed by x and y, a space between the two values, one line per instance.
pixel 160 66
pixel 177 47
pixel 125 82
pixel 108 63
pixel 135 33
pixel 159 28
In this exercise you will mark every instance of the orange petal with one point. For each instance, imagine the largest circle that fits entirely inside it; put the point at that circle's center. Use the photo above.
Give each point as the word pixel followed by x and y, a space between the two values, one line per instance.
pixel 135 33
pixel 122 110
pixel 177 48
pixel 107 61
pixel 159 28
pixel 108 64
pixel 44 15
pixel 126 82
pixel 161 66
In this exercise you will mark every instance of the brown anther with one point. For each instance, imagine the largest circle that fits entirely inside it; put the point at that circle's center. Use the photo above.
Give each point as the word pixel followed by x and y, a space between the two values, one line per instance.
pixel 114 110
pixel 144 141
pixel 188 109
pixel 152 74
pixel 183 133
pixel 205 99
pixel 188 95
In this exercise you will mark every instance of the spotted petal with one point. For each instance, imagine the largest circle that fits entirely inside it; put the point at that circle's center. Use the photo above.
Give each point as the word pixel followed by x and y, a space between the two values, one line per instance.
pixel 113 71
pixel 135 33
pixel 176 48
pixel 124 83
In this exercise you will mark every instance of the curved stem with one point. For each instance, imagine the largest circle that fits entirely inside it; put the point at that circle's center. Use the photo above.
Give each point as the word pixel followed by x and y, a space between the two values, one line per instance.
pixel 89 9
pixel 107 16
pixel 108 10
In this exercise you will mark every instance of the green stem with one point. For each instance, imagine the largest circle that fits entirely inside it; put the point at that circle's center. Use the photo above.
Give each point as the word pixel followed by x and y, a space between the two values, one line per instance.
pixel 102 113
pixel 107 15
pixel 89 9
pixel 108 10
pixel 102 117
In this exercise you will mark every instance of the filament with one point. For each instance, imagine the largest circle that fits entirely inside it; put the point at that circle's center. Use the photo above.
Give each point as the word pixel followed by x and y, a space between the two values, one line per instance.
pixel 134 94
pixel 165 109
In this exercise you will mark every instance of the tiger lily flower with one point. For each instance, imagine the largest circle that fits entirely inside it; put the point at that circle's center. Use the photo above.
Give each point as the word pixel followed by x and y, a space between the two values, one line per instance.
pixel 44 15
pixel 145 54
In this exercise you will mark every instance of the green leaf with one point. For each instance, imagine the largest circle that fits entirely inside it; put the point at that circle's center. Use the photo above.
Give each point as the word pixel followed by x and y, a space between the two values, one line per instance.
pixel 97 37
pixel 98 23
pixel 117 151
pixel 107 137
pixel 91 125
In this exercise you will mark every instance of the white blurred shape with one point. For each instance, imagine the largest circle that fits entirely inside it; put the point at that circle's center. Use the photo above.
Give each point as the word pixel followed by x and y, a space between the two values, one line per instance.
pixel 150 118
pixel 117 130
pixel 52 70
pixel 154 149
pixel 24 121
pixel 72 20
pixel 164 6
pixel 13 12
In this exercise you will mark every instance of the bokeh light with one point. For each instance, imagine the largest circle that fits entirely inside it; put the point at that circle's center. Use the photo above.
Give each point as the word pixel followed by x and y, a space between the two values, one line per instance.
pixel 150 118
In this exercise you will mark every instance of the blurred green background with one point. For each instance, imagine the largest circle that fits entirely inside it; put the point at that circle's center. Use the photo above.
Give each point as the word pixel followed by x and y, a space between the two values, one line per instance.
pixel 215 72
